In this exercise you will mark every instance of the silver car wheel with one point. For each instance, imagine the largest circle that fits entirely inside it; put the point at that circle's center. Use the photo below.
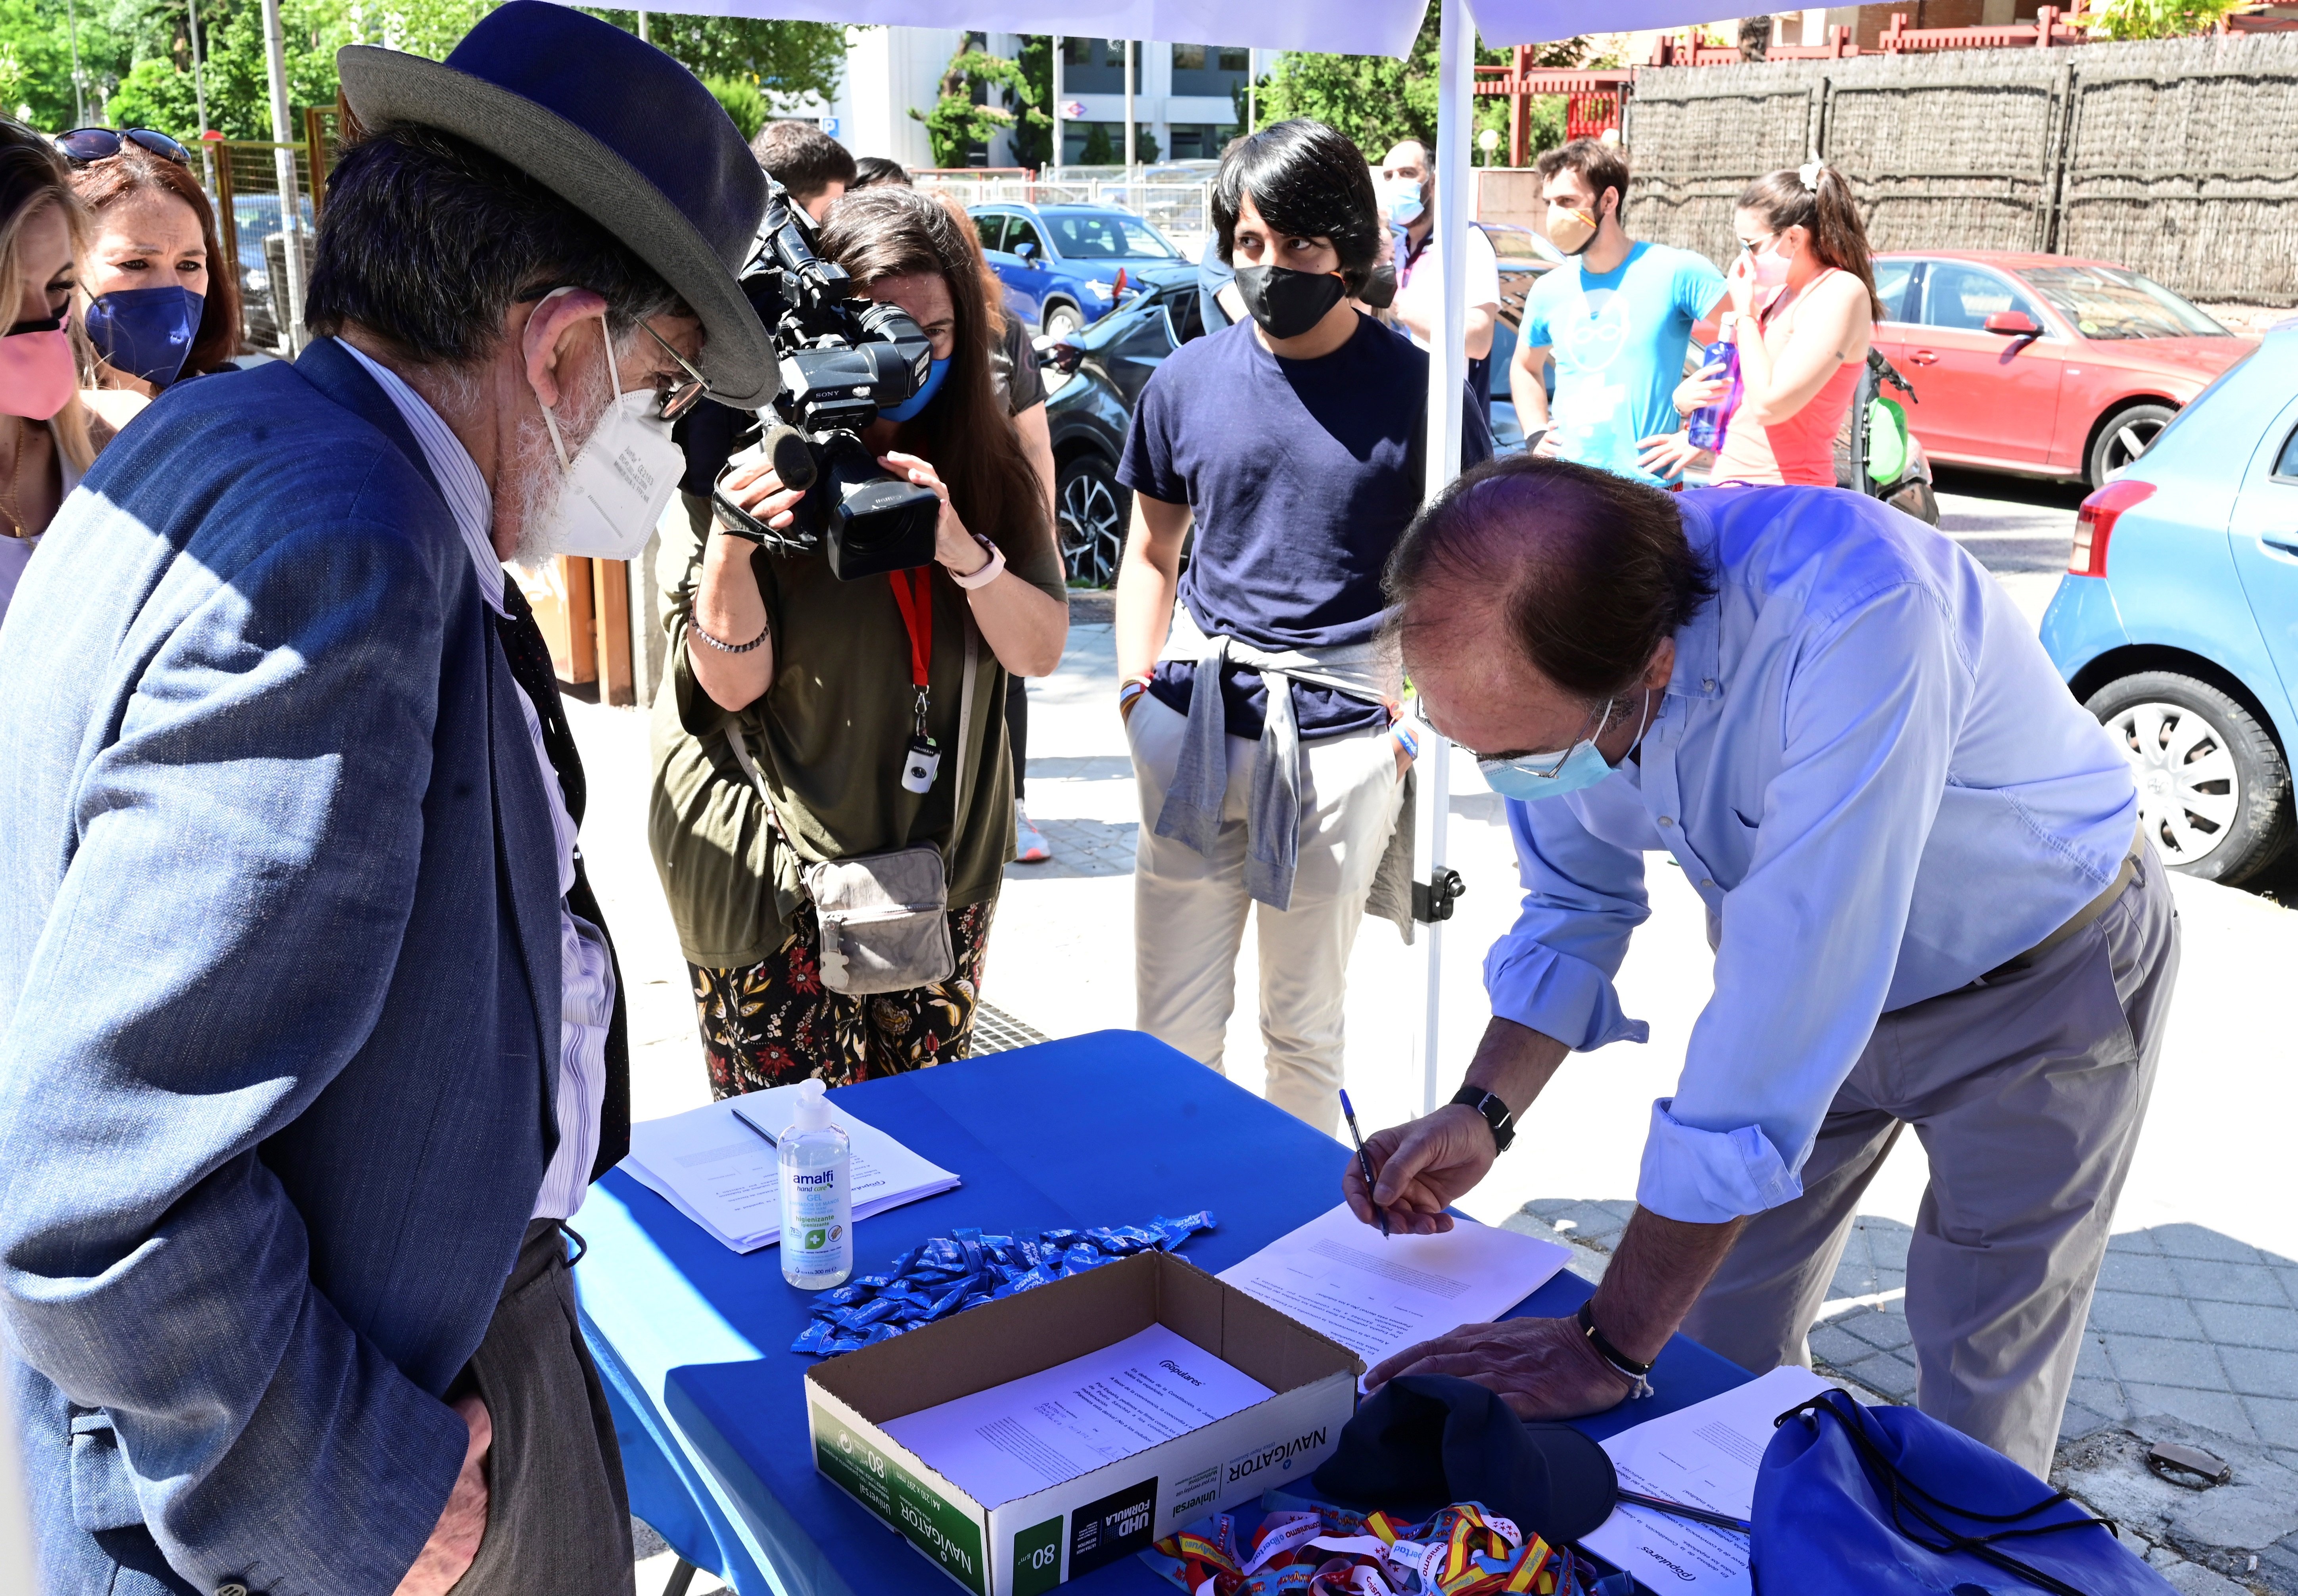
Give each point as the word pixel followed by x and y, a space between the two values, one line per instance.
pixel 1093 531
pixel 2189 788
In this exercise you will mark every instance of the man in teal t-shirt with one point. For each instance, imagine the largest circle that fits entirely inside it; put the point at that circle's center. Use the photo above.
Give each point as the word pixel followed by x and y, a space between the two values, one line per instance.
pixel 1615 318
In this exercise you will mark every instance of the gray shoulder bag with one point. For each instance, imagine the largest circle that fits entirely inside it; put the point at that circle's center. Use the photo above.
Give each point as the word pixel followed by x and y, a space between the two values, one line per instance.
pixel 884 917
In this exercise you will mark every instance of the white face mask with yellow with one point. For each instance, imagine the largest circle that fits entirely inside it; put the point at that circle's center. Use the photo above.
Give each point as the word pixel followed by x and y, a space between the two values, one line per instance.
pixel 618 482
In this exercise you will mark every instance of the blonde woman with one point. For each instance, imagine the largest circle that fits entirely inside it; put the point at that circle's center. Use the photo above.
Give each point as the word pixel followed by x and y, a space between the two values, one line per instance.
pixel 47 438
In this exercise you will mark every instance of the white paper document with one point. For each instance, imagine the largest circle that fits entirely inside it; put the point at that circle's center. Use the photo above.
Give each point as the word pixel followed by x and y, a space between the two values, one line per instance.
pixel 1704 1456
pixel 1016 1439
pixel 724 1176
pixel 1376 1296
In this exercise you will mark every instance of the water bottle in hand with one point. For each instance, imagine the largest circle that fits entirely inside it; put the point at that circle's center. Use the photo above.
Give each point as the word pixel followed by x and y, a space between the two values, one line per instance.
pixel 1710 423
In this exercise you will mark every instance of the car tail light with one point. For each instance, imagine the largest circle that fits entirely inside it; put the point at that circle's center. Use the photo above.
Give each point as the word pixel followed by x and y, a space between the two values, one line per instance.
pixel 2095 523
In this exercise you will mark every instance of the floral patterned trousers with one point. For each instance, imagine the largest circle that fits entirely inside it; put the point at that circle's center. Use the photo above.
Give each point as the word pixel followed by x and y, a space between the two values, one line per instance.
pixel 773 1023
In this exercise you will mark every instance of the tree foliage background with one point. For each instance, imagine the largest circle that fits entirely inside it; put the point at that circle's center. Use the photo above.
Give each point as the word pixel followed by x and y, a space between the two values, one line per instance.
pixel 1378 101
pixel 136 56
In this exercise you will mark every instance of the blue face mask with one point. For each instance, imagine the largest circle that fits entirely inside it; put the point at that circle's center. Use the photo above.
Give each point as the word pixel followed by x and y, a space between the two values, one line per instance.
pixel 921 399
pixel 1553 776
pixel 145 331
pixel 1405 205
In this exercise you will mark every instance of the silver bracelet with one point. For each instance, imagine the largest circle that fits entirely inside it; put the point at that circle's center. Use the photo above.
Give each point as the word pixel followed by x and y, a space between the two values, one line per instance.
pixel 694 624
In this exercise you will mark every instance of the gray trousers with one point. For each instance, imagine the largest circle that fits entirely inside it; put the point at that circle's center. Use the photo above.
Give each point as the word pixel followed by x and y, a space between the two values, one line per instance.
pixel 2026 1088
pixel 558 1519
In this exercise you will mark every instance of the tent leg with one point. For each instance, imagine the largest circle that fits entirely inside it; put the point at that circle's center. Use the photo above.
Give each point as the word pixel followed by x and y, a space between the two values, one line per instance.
pixel 1447 374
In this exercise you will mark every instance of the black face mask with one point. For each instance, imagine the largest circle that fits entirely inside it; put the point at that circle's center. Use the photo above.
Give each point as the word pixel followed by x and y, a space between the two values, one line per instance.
pixel 1380 287
pixel 1288 304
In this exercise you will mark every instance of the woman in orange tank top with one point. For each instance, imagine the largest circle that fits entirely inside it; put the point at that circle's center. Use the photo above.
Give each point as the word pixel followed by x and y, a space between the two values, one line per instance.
pixel 1803 259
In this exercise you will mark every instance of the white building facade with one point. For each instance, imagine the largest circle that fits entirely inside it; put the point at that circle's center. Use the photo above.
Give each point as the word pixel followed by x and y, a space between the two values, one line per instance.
pixel 1182 95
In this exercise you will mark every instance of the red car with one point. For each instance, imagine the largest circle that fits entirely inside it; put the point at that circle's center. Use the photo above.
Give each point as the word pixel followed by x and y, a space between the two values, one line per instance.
pixel 2042 364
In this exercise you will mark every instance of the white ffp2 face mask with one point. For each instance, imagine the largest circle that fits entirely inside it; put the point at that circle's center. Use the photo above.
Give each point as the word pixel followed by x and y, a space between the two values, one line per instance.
pixel 619 481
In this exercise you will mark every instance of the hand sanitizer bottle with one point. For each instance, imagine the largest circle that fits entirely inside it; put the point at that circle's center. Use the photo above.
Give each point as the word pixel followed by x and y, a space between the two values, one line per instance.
pixel 817 1163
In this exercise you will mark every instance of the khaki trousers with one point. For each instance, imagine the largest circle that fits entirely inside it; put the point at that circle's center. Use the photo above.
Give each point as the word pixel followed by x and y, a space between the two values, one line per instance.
pixel 1189 910
pixel 2026 1088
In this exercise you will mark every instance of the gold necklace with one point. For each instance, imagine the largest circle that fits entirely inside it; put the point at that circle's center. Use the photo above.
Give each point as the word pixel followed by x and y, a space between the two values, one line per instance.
pixel 8 496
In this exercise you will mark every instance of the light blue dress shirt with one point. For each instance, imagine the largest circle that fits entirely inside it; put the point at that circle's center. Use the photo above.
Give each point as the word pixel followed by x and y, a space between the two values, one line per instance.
pixel 1867 765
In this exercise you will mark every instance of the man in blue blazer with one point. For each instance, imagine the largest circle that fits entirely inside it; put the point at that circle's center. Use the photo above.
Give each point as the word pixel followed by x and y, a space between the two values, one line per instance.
pixel 310 1030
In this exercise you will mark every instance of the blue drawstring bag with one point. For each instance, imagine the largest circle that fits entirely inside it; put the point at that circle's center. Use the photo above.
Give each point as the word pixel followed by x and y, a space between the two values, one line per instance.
pixel 1889 1501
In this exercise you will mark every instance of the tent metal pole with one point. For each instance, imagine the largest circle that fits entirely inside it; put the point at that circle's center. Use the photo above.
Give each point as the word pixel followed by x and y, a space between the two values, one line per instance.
pixel 1448 371
pixel 1130 199
pixel 1053 164
pixel 200 93
pixel 291 206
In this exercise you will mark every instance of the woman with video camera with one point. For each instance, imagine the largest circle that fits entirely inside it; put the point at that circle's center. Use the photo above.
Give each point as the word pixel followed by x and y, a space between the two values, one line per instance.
pixel 809 727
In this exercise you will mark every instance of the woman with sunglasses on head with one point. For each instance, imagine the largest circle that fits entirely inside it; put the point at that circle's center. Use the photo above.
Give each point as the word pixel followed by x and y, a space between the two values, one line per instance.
pixel 811 726
pixel 158 301
pixel 1802 310
pixel 47 438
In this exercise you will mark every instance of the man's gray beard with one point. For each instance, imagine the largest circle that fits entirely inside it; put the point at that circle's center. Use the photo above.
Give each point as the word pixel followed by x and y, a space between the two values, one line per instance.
pixel 529 486
pixel 530 480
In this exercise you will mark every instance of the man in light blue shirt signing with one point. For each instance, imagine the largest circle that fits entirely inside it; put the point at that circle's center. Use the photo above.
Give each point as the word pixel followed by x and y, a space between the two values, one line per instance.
pixel 1925 887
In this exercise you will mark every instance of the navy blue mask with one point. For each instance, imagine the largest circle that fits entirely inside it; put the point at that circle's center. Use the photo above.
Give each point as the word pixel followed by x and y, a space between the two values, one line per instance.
pixel 145 331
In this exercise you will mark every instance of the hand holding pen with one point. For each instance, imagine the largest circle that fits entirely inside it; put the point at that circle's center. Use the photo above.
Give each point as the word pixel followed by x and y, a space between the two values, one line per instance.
pixel 1364 1165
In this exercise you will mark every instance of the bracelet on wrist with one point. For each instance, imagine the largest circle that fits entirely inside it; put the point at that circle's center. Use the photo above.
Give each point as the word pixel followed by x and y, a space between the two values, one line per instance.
pixel 1637 1375
pixel 1131 689
pixel 990 569
pixel 694 624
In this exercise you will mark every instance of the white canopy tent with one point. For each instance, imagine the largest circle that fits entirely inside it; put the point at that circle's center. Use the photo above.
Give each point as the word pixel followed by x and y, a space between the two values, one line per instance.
pixel 1344 26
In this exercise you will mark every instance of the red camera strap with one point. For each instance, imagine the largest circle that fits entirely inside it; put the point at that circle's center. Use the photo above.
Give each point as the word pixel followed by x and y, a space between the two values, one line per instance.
pixel 916 604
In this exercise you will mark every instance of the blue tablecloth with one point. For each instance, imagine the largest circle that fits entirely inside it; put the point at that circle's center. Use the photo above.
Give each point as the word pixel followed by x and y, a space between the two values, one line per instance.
pixel 1105 1129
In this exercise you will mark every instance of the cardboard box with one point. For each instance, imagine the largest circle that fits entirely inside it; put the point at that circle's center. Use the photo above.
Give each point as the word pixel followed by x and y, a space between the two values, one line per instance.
pixel 1034 1543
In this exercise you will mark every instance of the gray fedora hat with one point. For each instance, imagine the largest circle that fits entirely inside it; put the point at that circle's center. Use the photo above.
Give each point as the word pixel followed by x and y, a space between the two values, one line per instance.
pixel 620 131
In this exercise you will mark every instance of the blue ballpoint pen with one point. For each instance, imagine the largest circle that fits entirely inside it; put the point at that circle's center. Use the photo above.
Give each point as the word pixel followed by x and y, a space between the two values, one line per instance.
pixel 1364 1165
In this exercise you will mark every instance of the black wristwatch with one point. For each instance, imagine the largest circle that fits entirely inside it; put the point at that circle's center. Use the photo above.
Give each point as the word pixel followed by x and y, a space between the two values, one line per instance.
pixel 1496 1114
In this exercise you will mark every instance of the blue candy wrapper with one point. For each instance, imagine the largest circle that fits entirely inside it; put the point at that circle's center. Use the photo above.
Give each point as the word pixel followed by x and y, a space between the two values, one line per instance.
pixel 952 1273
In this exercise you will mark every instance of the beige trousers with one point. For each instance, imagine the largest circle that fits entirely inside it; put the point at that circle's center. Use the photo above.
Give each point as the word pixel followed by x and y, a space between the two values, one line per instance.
pixel 1189 910
pixel 2026 1090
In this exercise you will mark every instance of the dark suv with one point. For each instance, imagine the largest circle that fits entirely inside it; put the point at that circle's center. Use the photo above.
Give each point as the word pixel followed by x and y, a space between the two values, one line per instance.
pixel 1092 381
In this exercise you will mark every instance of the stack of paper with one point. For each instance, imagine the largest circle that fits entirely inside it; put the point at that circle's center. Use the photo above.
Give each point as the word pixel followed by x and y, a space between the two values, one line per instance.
pixel 1704 1456
pixel 1047 1429
pixel 716 1166
pixel 1377 1295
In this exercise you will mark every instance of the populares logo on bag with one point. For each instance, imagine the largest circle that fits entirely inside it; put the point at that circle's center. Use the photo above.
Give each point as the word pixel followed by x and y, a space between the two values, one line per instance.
pixel 1280 1457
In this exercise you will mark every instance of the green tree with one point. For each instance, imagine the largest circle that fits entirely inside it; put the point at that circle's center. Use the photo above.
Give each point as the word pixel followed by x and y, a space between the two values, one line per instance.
pixel 1378 101
pixel 1032 137
pixel 1100 149
pixel 136 56
pixel 742 103
pixel 958 121
pixel 2156 19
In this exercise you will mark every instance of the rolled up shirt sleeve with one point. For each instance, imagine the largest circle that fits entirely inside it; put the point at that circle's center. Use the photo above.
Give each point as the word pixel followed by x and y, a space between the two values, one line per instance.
pixel 1811 934
pixel 1583 899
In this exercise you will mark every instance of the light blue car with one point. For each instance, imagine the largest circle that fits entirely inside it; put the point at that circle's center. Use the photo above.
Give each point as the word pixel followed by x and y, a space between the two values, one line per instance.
pixel 2177 623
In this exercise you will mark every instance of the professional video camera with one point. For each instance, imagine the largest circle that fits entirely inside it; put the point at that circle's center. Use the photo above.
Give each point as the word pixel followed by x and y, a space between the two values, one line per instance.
pixel 841 358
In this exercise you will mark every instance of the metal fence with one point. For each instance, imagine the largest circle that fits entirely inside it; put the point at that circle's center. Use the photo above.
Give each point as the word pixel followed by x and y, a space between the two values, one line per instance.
pixel 245 179
pixel 1182 209
pixel 2178 157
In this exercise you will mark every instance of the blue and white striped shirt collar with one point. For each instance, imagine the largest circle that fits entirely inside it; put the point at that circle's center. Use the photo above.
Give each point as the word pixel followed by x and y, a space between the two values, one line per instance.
pixel 457 475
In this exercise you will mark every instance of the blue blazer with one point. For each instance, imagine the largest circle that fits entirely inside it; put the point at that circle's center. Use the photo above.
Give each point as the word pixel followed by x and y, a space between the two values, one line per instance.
pixel 279 995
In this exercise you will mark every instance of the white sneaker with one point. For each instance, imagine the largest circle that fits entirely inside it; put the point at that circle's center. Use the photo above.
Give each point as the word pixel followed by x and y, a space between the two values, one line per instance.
pixel 1030 845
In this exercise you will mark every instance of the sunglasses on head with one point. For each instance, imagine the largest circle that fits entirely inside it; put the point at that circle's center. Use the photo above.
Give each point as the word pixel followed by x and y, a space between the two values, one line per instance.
pixel 86 146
